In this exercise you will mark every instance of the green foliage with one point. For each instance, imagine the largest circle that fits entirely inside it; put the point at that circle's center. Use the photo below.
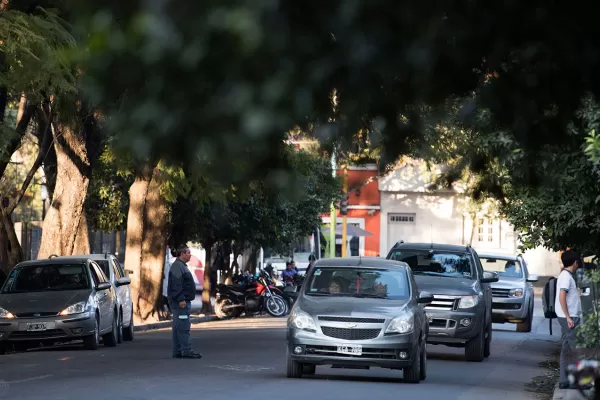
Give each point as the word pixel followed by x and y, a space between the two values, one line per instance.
pixel 588 334
pixel 592 149
pixel 260 215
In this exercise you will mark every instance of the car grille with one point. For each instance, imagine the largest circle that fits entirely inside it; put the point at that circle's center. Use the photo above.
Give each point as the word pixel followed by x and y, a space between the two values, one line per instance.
pixel 382 354
pixel 36 314
pixel 500 292
pixel 506 306
pixel 350 334
pixel 50 333
pixel 352 319
pixel 443 303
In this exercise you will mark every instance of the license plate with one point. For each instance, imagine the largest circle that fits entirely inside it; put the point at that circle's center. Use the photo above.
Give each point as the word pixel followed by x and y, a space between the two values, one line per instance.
pixel 36 326
pixel 351 350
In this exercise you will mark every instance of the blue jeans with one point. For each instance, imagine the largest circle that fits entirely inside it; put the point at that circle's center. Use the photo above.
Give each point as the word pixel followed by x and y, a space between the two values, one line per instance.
pixel 182 341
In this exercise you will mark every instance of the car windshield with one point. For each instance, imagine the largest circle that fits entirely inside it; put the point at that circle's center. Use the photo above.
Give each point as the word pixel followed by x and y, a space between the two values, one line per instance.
pixel 437 263
pixel 359 282
pixel 50 277
pixel 504 268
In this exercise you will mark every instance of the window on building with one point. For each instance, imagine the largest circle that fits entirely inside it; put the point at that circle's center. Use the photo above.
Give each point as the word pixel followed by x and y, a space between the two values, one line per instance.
pixel 485 230
pixel 402 218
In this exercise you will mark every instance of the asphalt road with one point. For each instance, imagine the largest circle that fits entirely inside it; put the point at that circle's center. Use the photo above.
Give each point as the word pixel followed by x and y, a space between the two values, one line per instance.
pixel 246 359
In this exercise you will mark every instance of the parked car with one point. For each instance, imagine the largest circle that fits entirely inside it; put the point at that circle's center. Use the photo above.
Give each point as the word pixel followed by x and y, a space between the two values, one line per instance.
pixel 513 293
pixel 358 312
pixel 56 300
pixel 113 269
pixel 461 312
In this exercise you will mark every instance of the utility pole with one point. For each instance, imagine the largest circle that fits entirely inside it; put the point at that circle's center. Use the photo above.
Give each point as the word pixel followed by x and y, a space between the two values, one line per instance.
pixel 333 211
pixel 344 212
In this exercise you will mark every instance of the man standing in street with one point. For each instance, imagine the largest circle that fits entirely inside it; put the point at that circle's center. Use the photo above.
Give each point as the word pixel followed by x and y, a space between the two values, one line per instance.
pixel 568 310
pixel 181 291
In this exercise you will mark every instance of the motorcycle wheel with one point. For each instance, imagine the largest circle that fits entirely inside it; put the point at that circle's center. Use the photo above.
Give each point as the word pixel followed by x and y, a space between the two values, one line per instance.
pixel 226 313
pixel 276 306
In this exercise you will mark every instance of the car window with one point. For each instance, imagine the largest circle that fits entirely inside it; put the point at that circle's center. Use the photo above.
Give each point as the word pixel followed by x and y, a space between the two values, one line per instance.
pixel 478 264
pixel 437 263
pixel 118 274
pixel 44 278
pixel 504 267
pixel 359 282
pixel 100 274
pixel 105 266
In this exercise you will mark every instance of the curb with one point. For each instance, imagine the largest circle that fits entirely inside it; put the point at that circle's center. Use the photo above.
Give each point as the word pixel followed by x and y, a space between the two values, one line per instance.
pixel 167 324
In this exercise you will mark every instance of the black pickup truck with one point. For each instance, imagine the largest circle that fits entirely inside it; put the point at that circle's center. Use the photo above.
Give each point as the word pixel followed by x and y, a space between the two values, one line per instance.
pixel 461 312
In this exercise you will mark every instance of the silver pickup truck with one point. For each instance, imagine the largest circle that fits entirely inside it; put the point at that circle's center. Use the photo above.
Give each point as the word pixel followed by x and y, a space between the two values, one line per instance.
pixel 512 295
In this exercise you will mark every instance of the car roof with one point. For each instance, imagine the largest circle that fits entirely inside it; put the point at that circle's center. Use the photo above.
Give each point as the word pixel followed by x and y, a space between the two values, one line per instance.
pixel 511 257
pixel 430 246
pixel 94 257
pixel 352 262
pixel 52 261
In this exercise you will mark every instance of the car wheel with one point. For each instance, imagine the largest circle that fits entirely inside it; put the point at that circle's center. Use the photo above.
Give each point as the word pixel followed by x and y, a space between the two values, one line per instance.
pixel 309 369
pixel 487 348
pixel 412 374
pixel 424 361
pixel 21 347
pixel 294 369
pixel 474 350
pixel 120 328
pixel 2 349
pixel 110 339
pixel 92 341
pixel 128 332
pixel 526 325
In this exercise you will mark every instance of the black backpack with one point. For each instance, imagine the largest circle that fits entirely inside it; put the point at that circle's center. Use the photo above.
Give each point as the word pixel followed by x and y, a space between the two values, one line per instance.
pixel 549 300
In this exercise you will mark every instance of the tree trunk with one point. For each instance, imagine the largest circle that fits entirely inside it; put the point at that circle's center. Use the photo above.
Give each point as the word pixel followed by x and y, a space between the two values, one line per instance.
pixel 65 227
pixel 146 242
pixel 206 287
pixel 473 228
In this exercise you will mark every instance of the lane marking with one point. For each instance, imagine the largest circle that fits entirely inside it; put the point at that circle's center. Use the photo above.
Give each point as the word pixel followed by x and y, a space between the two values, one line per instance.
pixel 35 378
pixel 242 368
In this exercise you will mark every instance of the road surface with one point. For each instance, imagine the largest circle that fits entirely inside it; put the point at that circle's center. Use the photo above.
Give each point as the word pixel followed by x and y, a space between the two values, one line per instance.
pixel 245 359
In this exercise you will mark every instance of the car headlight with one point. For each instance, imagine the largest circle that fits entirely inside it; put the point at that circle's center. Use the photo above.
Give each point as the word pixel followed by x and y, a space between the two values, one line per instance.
pixel 301 320
pixel 516 292
pixel 6 314
pixel 76 308
pixel 468 301
pixel 402 324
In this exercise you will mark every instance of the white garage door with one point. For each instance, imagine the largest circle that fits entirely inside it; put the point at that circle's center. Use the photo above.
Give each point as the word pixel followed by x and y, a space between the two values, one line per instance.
pixel 401 227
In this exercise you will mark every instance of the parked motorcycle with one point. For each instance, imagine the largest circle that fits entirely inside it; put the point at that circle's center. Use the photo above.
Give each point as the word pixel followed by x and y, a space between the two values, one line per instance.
pixel 249 296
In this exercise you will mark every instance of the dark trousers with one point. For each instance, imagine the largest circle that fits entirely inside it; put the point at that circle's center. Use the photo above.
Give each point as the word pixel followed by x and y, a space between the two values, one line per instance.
pixel 182 340
pixel 569 341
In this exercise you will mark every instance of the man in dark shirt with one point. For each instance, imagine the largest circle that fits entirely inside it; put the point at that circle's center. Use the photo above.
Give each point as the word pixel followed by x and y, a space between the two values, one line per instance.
pixel 181 291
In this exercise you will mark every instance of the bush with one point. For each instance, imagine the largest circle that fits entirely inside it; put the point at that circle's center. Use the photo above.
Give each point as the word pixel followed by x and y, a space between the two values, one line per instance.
pixel 588 333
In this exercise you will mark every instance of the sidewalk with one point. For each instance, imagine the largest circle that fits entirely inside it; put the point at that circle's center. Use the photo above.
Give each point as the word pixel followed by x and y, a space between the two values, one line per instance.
pixel 196 318
pixel 566 394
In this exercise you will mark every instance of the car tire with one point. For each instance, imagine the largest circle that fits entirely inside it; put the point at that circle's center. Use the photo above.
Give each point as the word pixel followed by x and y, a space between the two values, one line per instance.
pixel 309 369
pixel 110 339
pixel 2 349
pixel 128 333
pixel 487 348
pixel 294 369
pixel 423 371
pixel 475 348
pixel 120 328
pixel 526 325
pixel 92 341
pixel 412 374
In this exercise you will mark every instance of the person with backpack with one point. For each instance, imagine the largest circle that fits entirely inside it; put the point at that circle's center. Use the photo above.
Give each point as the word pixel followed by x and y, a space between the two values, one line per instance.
pixel 568 310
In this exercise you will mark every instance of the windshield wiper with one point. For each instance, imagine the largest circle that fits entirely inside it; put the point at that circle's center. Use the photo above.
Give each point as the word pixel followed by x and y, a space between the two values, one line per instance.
pixel 436 274
pixel 367 296
pixel 319 294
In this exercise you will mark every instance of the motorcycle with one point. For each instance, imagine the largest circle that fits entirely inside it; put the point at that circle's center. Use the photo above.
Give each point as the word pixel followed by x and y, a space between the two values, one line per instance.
pixel 249 296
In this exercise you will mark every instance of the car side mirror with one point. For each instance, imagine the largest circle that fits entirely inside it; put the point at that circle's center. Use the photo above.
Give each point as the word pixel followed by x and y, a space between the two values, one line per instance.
pixel 489 277
pixel 103 286
pixel 425 298
pixel 123 281
pixel 533 278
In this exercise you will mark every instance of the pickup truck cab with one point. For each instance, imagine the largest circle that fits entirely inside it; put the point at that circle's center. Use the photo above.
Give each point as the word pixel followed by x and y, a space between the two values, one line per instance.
pixel 461 312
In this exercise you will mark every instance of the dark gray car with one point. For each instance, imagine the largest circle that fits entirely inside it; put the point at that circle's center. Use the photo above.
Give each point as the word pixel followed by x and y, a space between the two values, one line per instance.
pixel 461 312
pixel 55 300
pixel 359 312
